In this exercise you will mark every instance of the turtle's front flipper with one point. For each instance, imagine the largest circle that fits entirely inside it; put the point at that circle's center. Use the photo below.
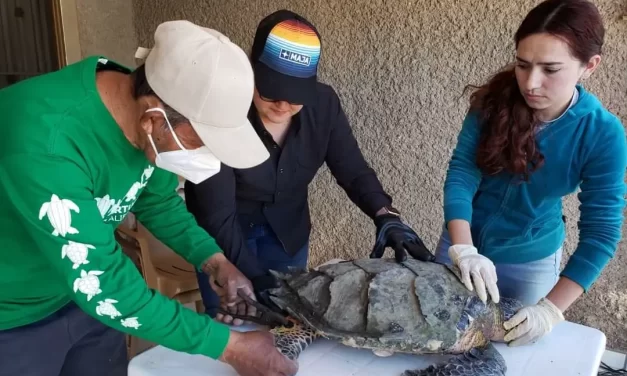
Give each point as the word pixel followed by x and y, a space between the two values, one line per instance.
pixel 293 340
pixel 485 361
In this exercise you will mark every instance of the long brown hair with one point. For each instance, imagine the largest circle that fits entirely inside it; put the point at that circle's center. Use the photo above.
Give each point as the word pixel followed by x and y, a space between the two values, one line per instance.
pixel 507 141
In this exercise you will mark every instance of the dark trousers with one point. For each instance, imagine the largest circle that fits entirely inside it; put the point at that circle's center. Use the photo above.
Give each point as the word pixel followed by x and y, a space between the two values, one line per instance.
pixel 67 343
pixel 264 244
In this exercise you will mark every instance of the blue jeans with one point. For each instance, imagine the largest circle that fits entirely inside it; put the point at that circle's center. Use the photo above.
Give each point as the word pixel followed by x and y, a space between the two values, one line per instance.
pixel 527 282
pixel 263 243
pixel 68 342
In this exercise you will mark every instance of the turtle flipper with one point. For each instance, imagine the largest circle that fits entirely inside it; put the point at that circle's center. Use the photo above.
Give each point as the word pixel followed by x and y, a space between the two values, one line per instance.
pixel 293 340
pixel 485 361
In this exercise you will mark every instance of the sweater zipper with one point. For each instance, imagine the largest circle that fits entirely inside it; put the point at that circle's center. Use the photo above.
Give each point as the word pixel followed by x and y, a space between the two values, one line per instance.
pixel 482 233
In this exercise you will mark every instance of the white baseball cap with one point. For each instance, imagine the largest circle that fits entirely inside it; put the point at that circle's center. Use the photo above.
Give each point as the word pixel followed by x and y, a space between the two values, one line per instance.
pixel 208 79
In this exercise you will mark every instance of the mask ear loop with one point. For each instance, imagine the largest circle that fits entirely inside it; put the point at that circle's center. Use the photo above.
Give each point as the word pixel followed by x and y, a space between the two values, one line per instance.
pixel 169 125
pixel 153 144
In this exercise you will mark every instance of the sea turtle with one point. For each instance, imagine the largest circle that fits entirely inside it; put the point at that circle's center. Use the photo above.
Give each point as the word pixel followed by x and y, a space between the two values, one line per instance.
pixel 58 212
pixel 131 322
pixel 410 307
pixel 104 204
pixel 88 283
pixel 107 308
pixel 76 252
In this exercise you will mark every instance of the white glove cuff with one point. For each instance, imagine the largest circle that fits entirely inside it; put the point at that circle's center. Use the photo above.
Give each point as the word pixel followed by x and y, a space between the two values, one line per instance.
pixel 555 312
pixel 455 252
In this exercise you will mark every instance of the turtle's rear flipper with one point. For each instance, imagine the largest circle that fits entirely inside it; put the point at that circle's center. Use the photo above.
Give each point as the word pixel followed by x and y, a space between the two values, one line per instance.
pixel 484 361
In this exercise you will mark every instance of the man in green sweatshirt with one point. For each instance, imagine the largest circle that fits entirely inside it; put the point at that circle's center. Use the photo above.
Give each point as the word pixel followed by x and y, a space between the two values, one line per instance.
pixel 82 147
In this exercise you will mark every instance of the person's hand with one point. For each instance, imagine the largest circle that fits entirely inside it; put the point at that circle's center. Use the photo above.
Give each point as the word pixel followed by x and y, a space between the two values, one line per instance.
pixel 482 270
pixel 392 232
pixel 253 354
pixel 532 322
pixel 239 308
pixel 229 283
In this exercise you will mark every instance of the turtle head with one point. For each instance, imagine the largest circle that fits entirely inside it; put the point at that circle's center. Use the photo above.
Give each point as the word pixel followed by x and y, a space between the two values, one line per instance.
pixel 488 317
pixel 296 334
pixel 291 336
pixel 293 339
pixel 501 312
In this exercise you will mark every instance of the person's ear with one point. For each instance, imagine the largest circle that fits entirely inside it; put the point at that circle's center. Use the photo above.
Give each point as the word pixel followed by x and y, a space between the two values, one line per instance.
pixel 151 120
pixel 591 66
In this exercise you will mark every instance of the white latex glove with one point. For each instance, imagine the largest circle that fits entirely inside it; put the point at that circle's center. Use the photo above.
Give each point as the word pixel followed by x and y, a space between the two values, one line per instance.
pixel 471 263
pixel 532 322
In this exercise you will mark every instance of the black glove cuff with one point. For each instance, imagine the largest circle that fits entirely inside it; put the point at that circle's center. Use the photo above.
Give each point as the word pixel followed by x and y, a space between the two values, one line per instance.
pixel 382 219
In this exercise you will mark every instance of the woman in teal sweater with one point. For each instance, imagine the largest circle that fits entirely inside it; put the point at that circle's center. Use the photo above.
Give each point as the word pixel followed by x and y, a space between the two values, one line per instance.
pixel 533 135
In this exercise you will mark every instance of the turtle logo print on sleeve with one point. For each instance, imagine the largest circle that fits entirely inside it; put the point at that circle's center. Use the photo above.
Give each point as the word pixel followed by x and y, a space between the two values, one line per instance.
pixel 106 308
pixel 130 322
pixel 147 174
pixel 88 283
pixel 58 213
pixel 131 195
pixel 114 210
pixel 104 204
pixel 76 252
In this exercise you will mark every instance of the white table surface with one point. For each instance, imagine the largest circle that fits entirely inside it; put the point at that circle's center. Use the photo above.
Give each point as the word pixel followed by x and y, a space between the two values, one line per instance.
pixel 570 349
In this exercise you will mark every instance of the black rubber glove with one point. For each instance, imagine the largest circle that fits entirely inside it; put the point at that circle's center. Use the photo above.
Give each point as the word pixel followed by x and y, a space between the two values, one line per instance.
pixel 392 232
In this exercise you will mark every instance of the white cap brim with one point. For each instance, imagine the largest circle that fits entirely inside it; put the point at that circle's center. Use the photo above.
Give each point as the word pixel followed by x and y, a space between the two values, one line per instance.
pixel 238 147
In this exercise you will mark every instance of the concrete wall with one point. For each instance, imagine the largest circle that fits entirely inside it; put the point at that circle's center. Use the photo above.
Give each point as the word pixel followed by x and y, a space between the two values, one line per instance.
pixel 400 67
pixel 107 28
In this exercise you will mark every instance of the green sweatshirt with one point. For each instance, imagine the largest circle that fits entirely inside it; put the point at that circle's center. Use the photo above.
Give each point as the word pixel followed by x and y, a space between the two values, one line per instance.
pixel 68 177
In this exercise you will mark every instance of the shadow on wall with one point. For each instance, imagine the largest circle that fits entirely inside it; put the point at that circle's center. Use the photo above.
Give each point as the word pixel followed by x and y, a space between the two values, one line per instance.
pixel 400 68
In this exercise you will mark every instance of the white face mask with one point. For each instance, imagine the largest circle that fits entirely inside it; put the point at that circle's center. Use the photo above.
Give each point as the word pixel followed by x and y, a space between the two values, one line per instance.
pixel 195 165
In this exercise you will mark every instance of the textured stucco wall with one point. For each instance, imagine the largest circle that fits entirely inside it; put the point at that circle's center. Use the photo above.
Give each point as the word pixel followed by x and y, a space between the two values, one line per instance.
pixel 400 67
pixel 107 28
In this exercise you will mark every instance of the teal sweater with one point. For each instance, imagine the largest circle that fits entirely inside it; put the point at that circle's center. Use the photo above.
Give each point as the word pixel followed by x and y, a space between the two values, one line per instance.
pixel 513 222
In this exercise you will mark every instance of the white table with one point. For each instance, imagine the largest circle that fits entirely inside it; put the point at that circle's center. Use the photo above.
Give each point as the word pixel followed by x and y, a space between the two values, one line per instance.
pixel 570 349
